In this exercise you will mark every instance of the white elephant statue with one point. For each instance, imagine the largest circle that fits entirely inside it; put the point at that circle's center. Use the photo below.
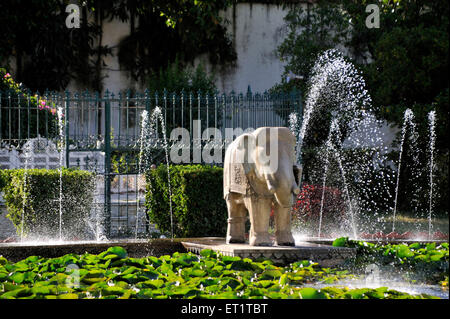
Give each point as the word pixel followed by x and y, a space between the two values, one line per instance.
pixel 259 174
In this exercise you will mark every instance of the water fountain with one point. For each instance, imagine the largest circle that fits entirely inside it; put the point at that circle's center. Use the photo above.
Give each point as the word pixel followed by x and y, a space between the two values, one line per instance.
pixel 336 88
pixel 370 182
pixel 336 84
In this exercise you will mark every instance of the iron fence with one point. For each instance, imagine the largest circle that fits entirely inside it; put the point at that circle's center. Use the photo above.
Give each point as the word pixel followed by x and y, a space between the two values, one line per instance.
pixel 100 133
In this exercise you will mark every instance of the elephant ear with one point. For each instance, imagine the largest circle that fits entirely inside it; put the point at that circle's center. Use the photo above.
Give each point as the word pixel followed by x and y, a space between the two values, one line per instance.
pixel 245 152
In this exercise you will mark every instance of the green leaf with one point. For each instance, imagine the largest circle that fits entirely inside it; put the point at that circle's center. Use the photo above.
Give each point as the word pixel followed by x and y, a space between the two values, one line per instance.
pixel 185 260
pixel 130 270
pixel 156 262
pixel 18 277
pixel 3 260
pixel 404 252
pixel 378 293
pixel 150 274
pixel 208 253
pixel 145 293
pixel 229 259
pixel 436 256
pixel 154 284
pixel 95 274
pixel 270 274
pixel 110 257
pixel 276 295
pixel 231 282
pixel 119 251
pixel 357 293
pixel 284 280
pixel 44 290
pixel 340 242
pixel 311 293
pixel 113 290
pixel 265 283
pixel 241 265
pixel 17 293
pixel 198 273
pixel 166 269
pixel 208 282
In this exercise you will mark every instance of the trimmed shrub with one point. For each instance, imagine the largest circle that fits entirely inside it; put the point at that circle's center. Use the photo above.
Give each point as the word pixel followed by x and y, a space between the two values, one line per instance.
pixel 38 201
pixel 197 200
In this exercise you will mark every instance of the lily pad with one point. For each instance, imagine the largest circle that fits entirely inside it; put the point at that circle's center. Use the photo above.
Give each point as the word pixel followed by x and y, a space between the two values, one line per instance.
pixel 271 274
pixel 119 251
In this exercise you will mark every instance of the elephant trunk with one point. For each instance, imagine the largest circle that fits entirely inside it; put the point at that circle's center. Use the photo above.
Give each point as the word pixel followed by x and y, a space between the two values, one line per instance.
pixel 283 186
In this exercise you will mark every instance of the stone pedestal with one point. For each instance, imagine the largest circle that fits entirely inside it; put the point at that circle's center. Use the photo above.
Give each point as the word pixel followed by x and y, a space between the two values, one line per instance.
pixel 324 255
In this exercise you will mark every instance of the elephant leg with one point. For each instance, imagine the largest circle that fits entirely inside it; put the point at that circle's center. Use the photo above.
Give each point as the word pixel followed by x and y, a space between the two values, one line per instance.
pixel 283 232
pixel 259 210
pixel 237 214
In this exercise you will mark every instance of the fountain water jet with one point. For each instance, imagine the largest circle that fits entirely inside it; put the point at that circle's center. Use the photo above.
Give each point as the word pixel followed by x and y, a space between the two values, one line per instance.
pixel 148 132
pixel 61 163
pixel 28 150
pixel 432 124
pixel 142 154
pixel 407 123
pixel 324 182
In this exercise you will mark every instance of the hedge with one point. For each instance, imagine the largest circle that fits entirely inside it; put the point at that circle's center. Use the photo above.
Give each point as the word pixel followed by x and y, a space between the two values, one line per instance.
pixel 41 201
pixel 197 200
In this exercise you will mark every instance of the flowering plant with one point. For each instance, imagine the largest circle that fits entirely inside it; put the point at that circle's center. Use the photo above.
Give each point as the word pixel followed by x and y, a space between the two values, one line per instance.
pixel 309 203
pixel 8 84
pixel 20 112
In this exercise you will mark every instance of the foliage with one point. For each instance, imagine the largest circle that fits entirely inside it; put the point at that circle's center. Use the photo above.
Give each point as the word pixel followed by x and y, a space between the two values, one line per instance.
pixel 309 33
pixel 175 79
pixel 47 53
pixel 32 196
pixel 164 30
pixel 197 200
pixel 426 261
pixel 20 108
pixel 113 275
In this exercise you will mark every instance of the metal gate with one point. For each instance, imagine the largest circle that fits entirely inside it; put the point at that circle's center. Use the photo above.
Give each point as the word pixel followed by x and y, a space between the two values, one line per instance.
pixel 101 133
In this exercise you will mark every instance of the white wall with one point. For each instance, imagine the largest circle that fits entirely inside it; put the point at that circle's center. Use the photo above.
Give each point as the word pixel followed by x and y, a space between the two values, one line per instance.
pixel 256 30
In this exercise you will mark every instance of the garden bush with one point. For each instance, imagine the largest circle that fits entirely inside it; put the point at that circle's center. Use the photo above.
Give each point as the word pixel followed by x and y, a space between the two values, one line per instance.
pixel 307 206
pixel 197 200
pixel 38 201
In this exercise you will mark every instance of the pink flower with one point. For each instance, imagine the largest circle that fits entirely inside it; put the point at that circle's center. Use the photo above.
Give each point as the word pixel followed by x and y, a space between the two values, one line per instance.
pixel 7 75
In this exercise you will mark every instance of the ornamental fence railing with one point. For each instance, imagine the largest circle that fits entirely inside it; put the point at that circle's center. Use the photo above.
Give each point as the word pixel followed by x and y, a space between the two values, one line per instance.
pixel 101 133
